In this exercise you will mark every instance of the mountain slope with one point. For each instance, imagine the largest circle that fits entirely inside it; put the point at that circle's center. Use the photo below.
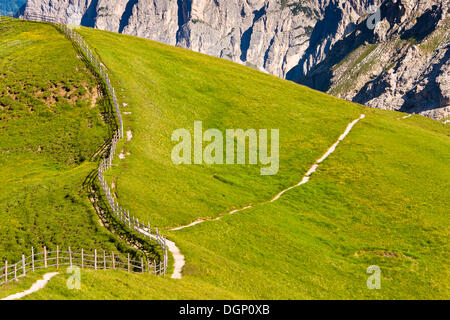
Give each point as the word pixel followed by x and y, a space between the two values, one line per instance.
pixel 380 199
pixel 403 64
pixel 265 34
pixel 271 35
pixel 52 122
pixel 166 95
pixel 323 44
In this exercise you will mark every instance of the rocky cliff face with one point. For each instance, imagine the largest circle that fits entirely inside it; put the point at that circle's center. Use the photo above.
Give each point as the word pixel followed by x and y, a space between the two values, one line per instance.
pixel 315 42
pixel 267 34
pixel 402 63
pixel 271 35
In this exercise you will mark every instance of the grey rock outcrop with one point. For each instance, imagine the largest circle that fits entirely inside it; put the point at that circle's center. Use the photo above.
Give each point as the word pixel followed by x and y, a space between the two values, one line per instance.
pixel 401 64
pixel 270 35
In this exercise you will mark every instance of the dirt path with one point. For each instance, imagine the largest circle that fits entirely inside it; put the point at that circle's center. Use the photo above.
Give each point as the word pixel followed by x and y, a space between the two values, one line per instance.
pixel 405 117
pixel 38 285
pixel 178 257
pixel 176 253
pixel 304 180
pixel 179 260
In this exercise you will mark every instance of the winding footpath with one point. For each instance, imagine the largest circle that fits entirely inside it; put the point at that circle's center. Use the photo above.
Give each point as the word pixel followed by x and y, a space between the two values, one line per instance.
pixel 305 179
pixel 176 254
pixel 38 285
pixel 179 258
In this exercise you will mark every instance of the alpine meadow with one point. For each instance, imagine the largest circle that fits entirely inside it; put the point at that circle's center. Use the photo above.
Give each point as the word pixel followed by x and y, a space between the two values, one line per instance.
pixel 338 190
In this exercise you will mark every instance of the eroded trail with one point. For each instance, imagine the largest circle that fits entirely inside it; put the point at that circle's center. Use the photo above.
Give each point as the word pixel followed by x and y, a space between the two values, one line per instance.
pixel 304 180
pixel 176 254
pixel 38 285
pixel 178 257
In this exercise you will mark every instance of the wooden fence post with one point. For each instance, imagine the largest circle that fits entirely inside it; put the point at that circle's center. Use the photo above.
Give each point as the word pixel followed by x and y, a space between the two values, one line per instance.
pixel 154 266
pixel 165 264
pixel 95 259
pixel 6 271
pixel 142 265
pixel 15 271
pixel 104 259
pixel 45 257
pixel 160 268
pixel 128 263
pixel 57 257
pixel 113 260
pixel 23 265
pixel 32 258
pixel 70 257
pixel 82 258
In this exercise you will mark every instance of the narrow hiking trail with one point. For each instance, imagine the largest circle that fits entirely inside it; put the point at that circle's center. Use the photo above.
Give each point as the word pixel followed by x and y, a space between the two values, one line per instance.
pixel 305 179
pixel 176 253
pixel 179 258
pixel 38 285
pixel 313 169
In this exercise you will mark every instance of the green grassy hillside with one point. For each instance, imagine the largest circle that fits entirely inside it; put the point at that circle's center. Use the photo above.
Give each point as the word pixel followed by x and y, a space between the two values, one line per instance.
pixel 167 88
pixel 50 127
pixel 380 199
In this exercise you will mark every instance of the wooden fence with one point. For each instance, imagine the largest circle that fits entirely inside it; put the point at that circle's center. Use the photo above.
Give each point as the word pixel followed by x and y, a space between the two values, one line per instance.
pixel 97 260
pixel 123 215
pixel 99 68
pixel 106 163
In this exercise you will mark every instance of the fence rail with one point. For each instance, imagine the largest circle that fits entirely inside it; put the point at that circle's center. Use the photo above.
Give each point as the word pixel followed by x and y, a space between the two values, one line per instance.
pixel 97 260
pixel 106 163
pixel 123 215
